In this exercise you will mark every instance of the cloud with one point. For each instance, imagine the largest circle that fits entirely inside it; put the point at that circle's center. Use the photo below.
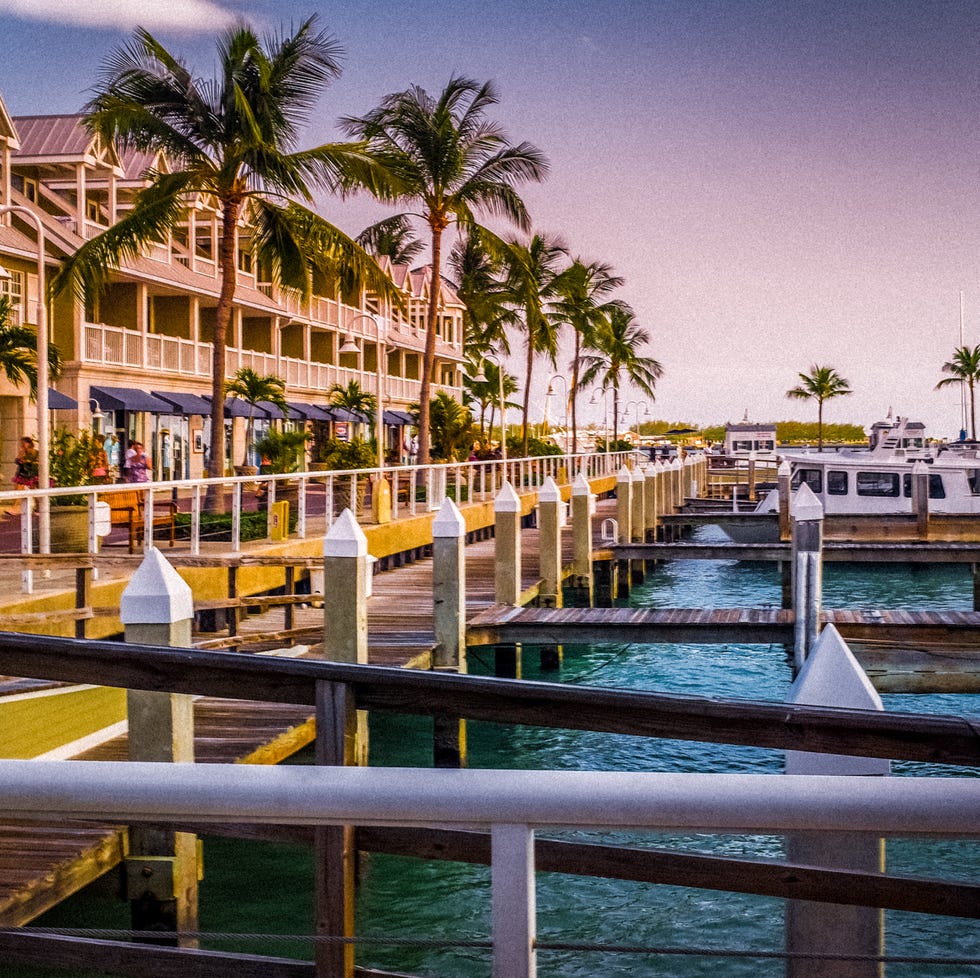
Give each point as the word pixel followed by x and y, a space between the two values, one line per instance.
pixel 185 16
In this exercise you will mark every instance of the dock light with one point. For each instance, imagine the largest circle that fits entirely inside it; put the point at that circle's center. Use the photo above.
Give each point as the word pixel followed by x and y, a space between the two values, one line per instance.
pixel 481 378
pixel 350 345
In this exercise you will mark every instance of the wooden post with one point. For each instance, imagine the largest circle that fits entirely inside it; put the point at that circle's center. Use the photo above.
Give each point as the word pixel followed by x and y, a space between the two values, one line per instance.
pixel 582 504
pixel 831 676
pixel 334 853
pixel 381 500
pixel 975 574
pixel 345 570
pixel 650 502
pixel 549 544
pixel 751 477
pixel 638 519
pixel 507 570
pixel 807 556
pixel 157 608
pixel 83 595
pixel 507 557
pixel 449 618
pixel 920 498
pixel 624 504
pixel 783 479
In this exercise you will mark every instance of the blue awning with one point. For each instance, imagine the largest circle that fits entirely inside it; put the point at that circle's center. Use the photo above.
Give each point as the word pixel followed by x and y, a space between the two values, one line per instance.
pixel 342 414
pixel 235 407
pixel 274 411
pixel 313 412
pixel 398 419
pixel 60 402
pixel 185 403
pixel 129 399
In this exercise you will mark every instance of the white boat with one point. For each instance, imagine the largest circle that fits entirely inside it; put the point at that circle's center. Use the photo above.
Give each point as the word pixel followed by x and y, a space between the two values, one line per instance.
pixel 878 479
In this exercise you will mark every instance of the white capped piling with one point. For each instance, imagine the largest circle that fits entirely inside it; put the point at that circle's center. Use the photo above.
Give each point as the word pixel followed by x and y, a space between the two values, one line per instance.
pixel 751 477
pixel 638 519
pixel 783 479
pixel 449 620
pixel 920 497
pixel 583 502
pixel 831 676
pixel 157 608
pixel 624 504
pixel 807 557
pixel 650 501
pixel 549 544
pixel 507 550
pixel 345 570
pixel 677 493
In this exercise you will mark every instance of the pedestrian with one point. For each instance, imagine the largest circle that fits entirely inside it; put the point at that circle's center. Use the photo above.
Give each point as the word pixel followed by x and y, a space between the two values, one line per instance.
pixel 413 450
pixel 137 463
pixel 25 475
pixel 112 449
pixel 100 468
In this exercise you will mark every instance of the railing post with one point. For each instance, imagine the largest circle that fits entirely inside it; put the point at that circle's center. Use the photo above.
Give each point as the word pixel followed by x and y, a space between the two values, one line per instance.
pixel 783 482
pixel 582 505
pixel 449 614
pixel 513 901
pixel 638 519
pixel 807 557
pixel 157 608
pixel 831 676
pixel 650 487
pixel 549 543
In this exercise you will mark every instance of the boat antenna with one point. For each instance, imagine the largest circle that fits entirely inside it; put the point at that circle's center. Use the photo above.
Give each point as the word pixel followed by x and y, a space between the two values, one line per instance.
pixel 962 382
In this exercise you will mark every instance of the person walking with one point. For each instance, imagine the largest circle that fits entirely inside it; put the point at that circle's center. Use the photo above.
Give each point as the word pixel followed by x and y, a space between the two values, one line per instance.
pixel 137 463
pixel 26 473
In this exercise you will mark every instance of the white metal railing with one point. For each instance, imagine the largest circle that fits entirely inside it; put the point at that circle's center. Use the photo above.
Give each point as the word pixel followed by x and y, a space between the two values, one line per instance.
pixel 325 494
pixel 512 804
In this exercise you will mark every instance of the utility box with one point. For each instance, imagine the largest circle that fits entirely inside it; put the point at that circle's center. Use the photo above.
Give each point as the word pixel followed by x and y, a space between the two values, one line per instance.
pixel 279 520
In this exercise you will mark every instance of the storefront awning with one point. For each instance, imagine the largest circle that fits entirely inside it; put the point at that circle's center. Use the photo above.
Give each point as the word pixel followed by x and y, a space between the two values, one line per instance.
pixel 129 399
pixel 398 419
pixel 312 412
pixel 342 414
pixel 60 402
pixel 185 403
pixel 235 407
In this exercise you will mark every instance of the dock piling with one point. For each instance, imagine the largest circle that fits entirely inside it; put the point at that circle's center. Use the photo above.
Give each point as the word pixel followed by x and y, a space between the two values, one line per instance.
pixel 157 608
pixel 549 546
pixel 507 570
pixel 807 558
pixel 583 502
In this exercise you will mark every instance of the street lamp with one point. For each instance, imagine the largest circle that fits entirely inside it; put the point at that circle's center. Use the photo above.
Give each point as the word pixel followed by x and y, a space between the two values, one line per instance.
pixel 550 392
pixel 636 414
pixel 350 346
pixel 43 472
pixel 600 394
pixel 481 378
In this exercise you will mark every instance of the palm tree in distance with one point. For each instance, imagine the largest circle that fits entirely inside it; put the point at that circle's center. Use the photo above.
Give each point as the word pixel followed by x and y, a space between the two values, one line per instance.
pixel 253 389
pixel 581 289
pixel 392 238
pixel 820 384
pixel 351 397
pixel 964 368
pixel 615 359
pixel 444 154
pixel 532 270
pixel 477 269
pixel 486 393
pixel 18 350
pixel 232 140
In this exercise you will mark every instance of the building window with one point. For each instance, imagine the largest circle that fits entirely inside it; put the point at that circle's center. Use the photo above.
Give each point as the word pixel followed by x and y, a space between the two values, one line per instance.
pixel 13 288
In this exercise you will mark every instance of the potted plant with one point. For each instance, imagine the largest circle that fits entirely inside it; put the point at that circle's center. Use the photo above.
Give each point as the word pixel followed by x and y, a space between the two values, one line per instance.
pixel 71 461
pixel 339 455
pixel 283 452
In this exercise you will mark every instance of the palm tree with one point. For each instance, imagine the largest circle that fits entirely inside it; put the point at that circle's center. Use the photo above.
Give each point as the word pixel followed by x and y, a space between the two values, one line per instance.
pixel 353 398
pixel 18 350
pixel 581 289
pixel 615 358
pixel 477 269
pixel 253 389
pixel 391 238
pixel 486 393
pixel 532 270
pixel 965 369
pixel 820 384
pixel 446 156
pixel 232 140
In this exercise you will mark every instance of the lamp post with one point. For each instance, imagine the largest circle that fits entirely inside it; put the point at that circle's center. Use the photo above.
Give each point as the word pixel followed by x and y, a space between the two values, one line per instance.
pixel 636 414
pixel 550 392
pixel 43 469
pixel 600 394
pixel 481 378
pixel 350 346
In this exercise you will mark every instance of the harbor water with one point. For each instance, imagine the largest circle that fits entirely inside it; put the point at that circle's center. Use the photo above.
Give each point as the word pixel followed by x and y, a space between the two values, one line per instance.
pixel 418 917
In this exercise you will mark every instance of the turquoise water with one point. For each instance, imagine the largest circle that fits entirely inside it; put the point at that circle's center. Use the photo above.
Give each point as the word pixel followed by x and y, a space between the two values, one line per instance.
pixel 265 888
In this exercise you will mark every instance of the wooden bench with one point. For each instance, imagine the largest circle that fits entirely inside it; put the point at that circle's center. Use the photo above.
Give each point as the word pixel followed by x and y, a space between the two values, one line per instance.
pixel 126 508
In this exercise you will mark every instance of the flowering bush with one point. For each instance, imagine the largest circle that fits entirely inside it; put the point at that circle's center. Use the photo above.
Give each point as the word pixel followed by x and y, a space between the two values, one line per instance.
pixel 71 461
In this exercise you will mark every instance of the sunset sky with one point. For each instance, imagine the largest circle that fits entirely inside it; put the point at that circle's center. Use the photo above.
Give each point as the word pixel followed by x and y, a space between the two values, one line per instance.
pixel 780 183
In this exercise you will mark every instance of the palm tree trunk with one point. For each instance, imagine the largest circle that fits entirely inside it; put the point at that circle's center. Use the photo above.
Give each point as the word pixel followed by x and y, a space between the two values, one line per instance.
pixel 973 411
pixel 615 437
pixel 573 393
pixel 819 426
pixel 438 225
pixel 527 393
pixel 228 263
